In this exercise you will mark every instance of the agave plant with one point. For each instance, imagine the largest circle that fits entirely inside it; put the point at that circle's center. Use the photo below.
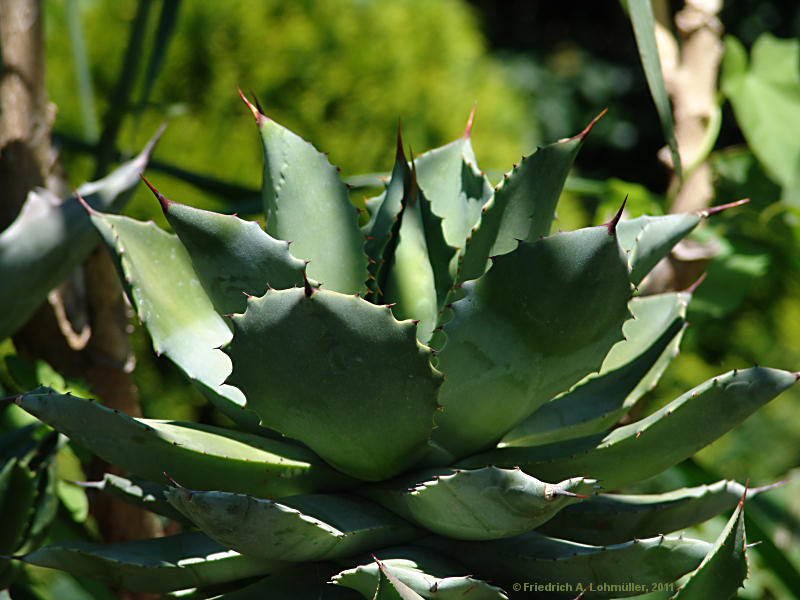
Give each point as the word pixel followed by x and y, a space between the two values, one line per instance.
pixel 425 395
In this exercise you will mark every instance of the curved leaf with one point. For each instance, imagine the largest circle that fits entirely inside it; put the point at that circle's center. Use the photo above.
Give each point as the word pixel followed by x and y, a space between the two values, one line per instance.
pixel 542 318
pixel 641 13
pixel 427 573
pixel 200 455
pixel 631 368
pixel 457 190
pixel 649 239
pixel 297 528
pixel 306 203
pixel 614 518
pixel 522 207
pixel 724 568
pixel 647 447
pixel 479 504
pixel 354 374
pixel 161 283
pixel 157 565
pixel 232 257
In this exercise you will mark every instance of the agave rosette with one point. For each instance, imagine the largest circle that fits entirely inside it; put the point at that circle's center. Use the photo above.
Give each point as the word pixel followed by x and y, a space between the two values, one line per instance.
pixel 425 398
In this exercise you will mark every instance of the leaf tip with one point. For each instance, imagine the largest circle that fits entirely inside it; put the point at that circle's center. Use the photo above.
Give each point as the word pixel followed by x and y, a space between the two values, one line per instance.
pixel 612 224
pixel 582 135
pixel 470 120
pixel 692 288
pixel 718 209
pixel 258 115
pixel 164 202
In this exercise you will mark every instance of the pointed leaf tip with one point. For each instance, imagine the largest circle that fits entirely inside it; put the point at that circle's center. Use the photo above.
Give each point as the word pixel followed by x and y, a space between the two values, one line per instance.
pixel 400 156
pixel 187 493
pixel 83 202
pixel 470 120
pixel 257 114
pixel 582 135
pixel 692 288
pixel 612 224
pixel 744 494
pixel 718 209
pixel 151 144
pixel 161 199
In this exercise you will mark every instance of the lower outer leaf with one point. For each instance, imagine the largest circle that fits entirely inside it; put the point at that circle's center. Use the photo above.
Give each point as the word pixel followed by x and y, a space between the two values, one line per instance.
pixel 428 573
pixel 479 504
pixel 306 582
pixel 156 565
pixel 139 492
pixel 724 568
pixel 298 528
pixel 614 518
pixel 643 449
pixel 201 456
pixel 621 570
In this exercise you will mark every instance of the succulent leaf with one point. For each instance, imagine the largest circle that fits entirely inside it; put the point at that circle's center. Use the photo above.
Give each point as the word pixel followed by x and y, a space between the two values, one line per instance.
pixel 200 455
pixel 416 284
pixel 614 518
pixel 232 257
pixel 538 321
pixel 51 236
pixel 354 374
pixel 381 230
pixel 17 501
pixel 297 528
pixel 649 239
pixel 647 447
pixel 139 492
pixel 392 588
pixel 428 573
pixel 615 571
pixel 156 565
pixel 523 205
pixel 724 568
pixel 480 504
pixel 631 368
pixel 307 204
pixel 449 177
pixel 533 332
pixel 45 507
pixel 161 283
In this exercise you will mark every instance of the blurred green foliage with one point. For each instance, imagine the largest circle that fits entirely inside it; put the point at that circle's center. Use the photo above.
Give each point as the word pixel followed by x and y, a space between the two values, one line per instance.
pixel 340 73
